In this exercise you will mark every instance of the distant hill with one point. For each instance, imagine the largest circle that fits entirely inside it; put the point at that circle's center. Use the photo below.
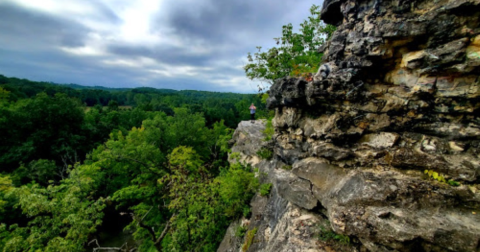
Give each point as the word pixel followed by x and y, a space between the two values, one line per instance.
pixel 91 95
pixel 76 86
pixel 20 83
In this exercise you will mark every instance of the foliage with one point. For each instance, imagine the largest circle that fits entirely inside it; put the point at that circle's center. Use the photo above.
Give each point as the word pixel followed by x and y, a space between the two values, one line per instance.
pixel 240 231
pixel 40 171
pixel 265 189
pixel 246 211
pixel 269 130
pixel 5 186
pixel 4 94
pixel 328 235
pixel 453 183
pixel 435 176
pixel 237 185
pixel 440 178
pixel 61 218
pixel 215 106
pixel 296 54
pixel 287 167
pixel 265 153
pixel 169 173
pixel 249 239
pixel 42 127
pixel 202 206
pixel 264 98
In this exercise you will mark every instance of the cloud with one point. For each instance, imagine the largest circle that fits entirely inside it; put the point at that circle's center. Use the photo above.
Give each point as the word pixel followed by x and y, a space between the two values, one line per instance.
pixel 24 29
pixel 179 44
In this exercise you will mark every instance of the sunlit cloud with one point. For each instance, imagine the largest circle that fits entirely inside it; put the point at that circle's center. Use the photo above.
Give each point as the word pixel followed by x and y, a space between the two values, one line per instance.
pixel 83 51
pixel 179 44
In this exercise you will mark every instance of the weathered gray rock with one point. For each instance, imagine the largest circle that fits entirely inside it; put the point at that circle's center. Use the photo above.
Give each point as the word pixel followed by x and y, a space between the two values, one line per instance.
pixel 391 116
pixel 381 140
pixel 248 139
pixel 231 242
pixel 329 151
pixel 296 190
pixel 331 11
pixel 286 92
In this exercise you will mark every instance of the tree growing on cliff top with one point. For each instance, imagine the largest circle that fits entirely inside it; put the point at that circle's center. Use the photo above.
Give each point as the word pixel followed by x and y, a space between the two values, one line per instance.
pixel 297 53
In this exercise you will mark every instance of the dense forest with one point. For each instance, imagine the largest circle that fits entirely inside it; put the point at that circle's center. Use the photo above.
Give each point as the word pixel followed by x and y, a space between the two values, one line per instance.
pixel 77 162
pixel 215 106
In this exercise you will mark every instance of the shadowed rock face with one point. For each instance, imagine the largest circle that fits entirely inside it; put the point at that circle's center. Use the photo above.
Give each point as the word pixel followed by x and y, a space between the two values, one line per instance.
pixel 398 94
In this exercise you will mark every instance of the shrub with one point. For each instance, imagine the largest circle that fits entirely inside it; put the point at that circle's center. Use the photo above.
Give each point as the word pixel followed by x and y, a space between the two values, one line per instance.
pixel 246 211
pixel 269 130
pixel 240 232
pixel 265 189
pixel 328 235
pixel 265 153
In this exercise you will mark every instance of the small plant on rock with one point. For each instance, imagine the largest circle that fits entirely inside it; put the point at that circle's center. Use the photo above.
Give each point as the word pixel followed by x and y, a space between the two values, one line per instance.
pixel 440 178
pixel 240 232
pixel 235 156
pixel 265 189
pixel 453 183
pixel 249 239
pixel 327 235
pixel 246 211
pixel 265 153
pixel 269 130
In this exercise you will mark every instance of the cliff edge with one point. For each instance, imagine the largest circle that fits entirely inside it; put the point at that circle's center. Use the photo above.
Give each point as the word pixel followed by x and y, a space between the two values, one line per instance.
pixel 384 145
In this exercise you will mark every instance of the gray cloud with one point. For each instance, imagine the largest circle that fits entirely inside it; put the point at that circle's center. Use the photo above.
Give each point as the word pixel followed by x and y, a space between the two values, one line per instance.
pixel 22 27
pixel 201 44
pixel 223 21
pixel 166 54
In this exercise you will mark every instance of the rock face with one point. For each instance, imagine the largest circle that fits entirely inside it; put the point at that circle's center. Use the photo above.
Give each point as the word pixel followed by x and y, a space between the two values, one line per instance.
pixel 390 118
pixel 247 140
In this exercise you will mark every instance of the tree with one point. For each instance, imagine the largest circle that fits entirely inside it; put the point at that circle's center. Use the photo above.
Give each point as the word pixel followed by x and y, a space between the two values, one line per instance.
pixel 60 218
pixel 3 95
pixel 41 128
pixel 297 53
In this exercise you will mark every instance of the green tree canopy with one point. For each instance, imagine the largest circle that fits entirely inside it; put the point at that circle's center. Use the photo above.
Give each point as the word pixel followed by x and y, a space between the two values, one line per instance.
pixel 296 54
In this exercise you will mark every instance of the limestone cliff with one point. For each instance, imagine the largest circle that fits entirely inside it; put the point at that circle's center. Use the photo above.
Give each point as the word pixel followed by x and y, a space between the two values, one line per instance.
pixel 380 140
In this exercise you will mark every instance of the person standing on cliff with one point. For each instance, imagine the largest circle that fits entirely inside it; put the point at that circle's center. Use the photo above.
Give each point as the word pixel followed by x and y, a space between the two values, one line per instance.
pixel 252 112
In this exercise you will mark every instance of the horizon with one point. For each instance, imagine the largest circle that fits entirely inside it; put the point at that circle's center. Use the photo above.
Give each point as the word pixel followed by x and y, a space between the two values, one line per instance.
pixel 124 44
pixel 123 88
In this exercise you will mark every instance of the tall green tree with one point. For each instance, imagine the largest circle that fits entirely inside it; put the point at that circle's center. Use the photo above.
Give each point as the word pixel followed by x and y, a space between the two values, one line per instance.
pixel 296 54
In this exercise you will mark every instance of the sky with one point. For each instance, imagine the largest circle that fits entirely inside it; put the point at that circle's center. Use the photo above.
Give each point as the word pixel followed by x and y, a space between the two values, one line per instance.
pixel 176 44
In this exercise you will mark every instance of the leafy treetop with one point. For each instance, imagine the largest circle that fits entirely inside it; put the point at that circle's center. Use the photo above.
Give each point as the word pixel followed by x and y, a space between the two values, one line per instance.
pixel 297 53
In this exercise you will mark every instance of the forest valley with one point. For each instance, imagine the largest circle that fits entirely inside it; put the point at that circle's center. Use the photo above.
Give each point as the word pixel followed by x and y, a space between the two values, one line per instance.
pixel 75 160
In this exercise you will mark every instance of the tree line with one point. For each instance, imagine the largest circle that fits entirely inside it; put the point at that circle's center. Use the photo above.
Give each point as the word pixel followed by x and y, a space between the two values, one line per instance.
pixel 162 161
pixel 214 105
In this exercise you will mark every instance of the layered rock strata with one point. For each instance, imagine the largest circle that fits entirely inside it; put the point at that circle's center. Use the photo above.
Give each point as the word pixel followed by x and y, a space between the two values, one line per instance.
pixel 380 140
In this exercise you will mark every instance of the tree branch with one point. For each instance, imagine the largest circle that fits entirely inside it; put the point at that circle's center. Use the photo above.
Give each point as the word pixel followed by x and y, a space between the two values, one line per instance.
pixel 107 248
pixel 164 232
